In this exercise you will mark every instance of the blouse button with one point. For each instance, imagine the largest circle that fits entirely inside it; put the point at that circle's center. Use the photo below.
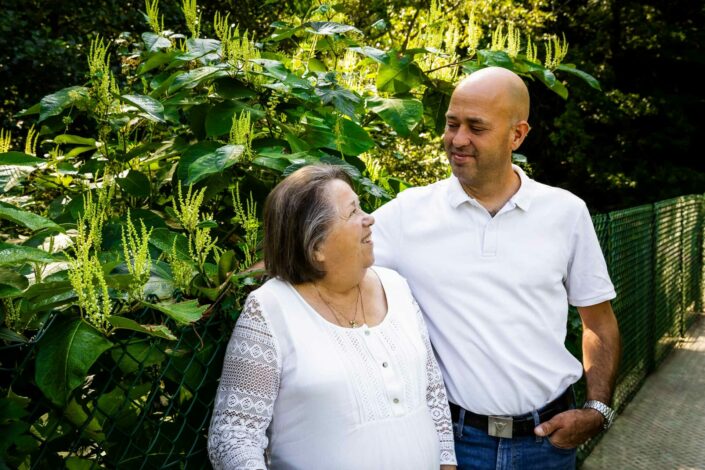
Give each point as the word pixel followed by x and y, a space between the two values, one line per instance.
pixel 367 332
pixel 384 364
pixel 396 400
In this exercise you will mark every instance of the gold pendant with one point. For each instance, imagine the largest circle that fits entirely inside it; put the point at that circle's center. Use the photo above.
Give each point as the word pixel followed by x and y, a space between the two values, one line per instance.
pixel 353 324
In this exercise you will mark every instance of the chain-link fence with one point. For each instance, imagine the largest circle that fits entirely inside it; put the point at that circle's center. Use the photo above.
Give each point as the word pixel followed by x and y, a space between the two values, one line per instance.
pixel 147 403
pixel 655 257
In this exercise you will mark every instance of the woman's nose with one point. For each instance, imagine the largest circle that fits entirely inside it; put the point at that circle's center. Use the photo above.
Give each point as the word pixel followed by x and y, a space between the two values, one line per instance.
pixel 369 220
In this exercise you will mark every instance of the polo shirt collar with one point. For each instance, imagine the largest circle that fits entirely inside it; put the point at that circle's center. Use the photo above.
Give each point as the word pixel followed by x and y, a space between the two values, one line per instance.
pixel 522 198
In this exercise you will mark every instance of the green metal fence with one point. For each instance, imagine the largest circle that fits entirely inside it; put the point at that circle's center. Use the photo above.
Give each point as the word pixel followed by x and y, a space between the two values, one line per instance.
pixel 153 399
pixel 655 257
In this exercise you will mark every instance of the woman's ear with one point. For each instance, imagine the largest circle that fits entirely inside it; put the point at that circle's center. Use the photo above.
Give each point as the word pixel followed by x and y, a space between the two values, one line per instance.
pixel 319 256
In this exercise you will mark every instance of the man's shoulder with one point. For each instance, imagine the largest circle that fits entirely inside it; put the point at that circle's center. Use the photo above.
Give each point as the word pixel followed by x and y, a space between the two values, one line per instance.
pixel 421 193
pixel 555 196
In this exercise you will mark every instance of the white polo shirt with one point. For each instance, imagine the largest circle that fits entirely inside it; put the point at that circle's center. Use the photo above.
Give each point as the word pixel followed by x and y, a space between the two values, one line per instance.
pixel 495 290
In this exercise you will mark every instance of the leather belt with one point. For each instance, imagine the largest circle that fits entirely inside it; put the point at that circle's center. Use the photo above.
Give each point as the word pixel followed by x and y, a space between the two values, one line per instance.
pixel 514 426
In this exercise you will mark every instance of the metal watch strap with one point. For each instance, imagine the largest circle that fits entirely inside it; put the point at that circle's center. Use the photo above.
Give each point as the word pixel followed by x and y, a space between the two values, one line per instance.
pixel 607 412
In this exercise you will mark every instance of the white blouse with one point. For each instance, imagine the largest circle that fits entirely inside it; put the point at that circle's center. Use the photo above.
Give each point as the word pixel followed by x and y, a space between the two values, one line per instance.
pixel 315 395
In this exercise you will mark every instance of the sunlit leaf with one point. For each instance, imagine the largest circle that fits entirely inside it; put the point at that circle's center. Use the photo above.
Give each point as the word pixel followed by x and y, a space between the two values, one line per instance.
pixel 154 42
pixel 16 255
pixel 124 323
pixel 152 108
pixel 27 219
pixel 402 115
pixel 207 158
pixel 54 104
pixel 194 77
pixel 399 75
pixel 181 312
pixel 327 28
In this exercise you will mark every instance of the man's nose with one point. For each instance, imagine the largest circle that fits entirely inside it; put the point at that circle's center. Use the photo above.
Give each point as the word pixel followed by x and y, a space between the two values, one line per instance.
pixel 369 220
pixel 461 137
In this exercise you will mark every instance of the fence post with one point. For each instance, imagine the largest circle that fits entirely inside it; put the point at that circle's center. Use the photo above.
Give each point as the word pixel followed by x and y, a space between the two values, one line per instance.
pixel 651 321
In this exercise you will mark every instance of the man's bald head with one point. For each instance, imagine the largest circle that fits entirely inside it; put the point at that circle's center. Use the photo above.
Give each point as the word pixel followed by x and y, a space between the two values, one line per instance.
pixel 503 86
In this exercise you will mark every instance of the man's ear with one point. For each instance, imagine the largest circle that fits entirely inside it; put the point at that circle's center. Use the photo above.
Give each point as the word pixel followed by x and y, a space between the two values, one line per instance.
pixel 521 130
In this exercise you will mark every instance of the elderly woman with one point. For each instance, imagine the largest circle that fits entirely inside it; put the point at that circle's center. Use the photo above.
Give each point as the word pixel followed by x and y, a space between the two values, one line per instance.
pixel 329 365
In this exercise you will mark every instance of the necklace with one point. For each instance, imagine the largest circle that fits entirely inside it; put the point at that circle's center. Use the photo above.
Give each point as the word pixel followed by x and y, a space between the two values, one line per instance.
pixel 337 315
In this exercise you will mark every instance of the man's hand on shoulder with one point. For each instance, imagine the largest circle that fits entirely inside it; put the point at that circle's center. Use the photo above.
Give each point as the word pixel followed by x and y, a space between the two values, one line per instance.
pixel 571 428
pixel 448 467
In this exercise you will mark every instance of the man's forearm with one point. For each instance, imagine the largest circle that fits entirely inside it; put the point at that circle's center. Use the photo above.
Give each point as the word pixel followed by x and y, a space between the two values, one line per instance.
pixel 601 350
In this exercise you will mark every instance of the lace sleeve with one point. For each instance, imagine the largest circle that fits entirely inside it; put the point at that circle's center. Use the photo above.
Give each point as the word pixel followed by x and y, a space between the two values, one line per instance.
pixel 246 393
pixel 436 397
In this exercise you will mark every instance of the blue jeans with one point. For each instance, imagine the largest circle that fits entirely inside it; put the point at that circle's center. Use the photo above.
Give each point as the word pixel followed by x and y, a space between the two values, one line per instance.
pixel 475 449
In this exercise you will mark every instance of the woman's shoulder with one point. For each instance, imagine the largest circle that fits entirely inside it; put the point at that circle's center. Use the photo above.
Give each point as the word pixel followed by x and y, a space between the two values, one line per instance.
pixel 389 276
pixel 272 295
pixel 394 284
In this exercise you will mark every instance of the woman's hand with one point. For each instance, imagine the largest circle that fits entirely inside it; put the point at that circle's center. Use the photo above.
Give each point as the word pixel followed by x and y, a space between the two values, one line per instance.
pixel 448 467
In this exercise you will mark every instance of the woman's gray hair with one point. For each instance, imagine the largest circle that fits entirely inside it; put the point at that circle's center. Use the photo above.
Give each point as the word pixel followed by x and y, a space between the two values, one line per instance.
pixel 297 217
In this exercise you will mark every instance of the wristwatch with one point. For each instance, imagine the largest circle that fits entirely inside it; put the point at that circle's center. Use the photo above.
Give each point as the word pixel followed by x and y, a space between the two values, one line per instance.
pixel 607 412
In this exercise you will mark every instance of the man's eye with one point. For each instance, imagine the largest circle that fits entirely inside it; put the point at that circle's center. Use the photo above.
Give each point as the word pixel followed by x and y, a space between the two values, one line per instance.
pixel 451 125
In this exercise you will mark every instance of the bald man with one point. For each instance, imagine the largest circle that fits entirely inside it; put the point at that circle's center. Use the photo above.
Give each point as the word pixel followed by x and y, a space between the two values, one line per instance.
pixel 494 259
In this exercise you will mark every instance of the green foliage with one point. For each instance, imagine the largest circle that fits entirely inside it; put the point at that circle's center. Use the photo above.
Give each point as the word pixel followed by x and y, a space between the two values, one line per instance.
pixel 149 181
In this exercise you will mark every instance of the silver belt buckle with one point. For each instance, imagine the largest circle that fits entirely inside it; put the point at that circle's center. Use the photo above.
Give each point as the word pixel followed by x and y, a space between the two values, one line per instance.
pixel 499 426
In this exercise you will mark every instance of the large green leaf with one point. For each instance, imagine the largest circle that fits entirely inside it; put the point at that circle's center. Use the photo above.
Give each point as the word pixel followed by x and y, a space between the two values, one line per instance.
pixel 202 49
pixel 137 355
pixel 346 136
pixel 27 219
pixel 399 75
pixel 151 108
pixel 219 119
pixel 12 283
pixel 592 81
pixel 164 238
pixel 202 160
pixel 287 82
pixel 77 463
pixel 181 312
pixel 496 59
pixel 341 98
pixel 124 323
pixel 549 79
pixel 154 42
pixel 373 53
pixel 402 115
pixel 74 139
pixel 157 60
pixel 88 424
pixel 135 184
pixel 436 101
pixel 327 28
pixel 54 104
pixel 15 167
pixel 19 159
pixel 65 356
pixel 231 88
pixel 16 255
pixel 194 77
